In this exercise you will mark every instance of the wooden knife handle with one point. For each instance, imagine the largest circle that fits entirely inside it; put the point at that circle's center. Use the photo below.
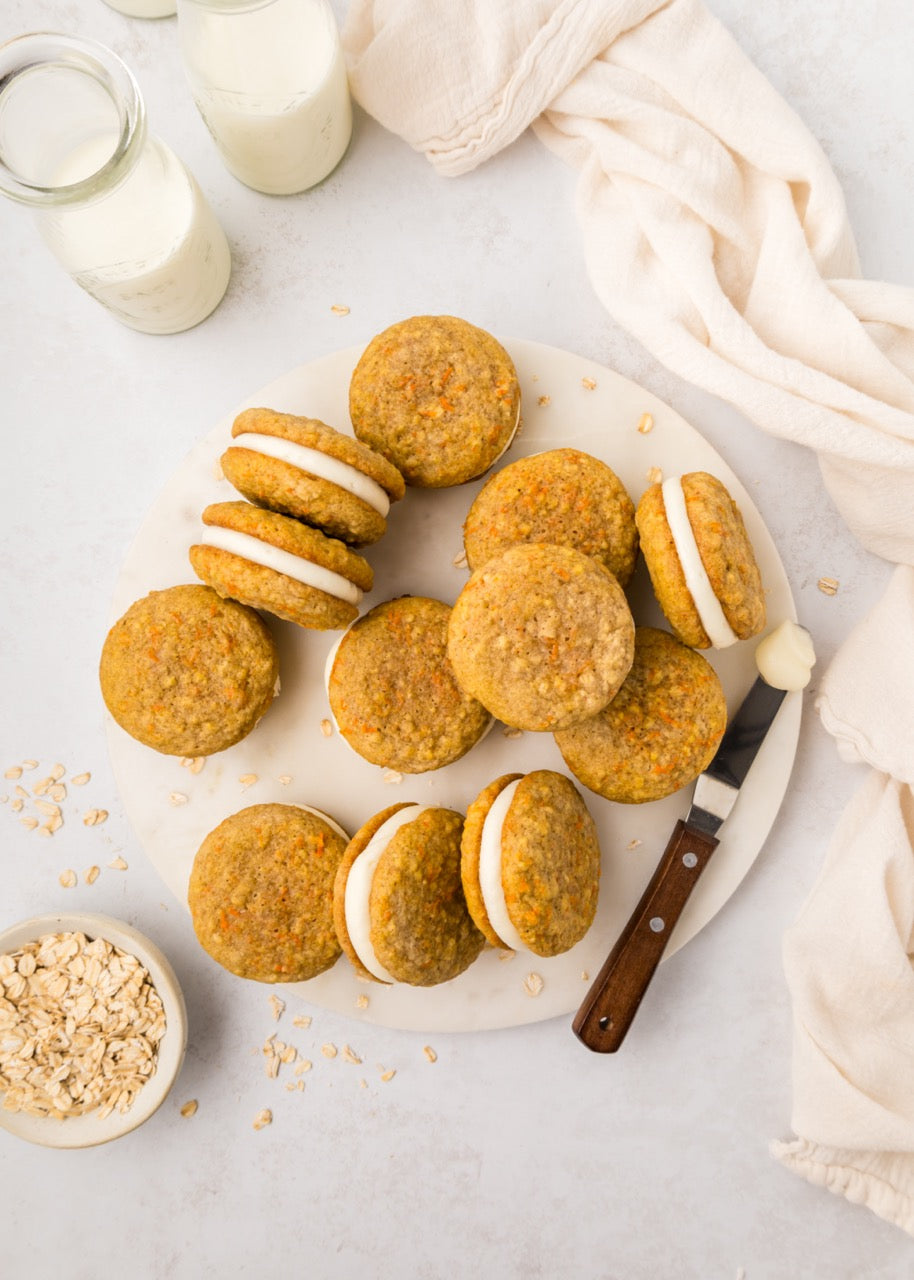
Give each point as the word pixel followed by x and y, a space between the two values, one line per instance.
pixel 611 1003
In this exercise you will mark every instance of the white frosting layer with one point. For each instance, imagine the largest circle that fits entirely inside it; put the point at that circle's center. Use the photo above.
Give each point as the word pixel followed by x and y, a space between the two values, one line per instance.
pixel 786 657
pixel 317 464
pixel 358 889
pixel 490 882
pixel 270 557
pixel 720 633
pixel 319 813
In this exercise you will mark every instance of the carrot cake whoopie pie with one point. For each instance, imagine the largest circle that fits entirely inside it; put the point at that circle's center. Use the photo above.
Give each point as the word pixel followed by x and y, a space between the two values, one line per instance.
pixel 438 397
pixel 273 562
pixel 398 901
pixel 261 892
pixel 303 468
pixel 530 863
pixel 660 730
pixel 542 636
pixel 393 692
pixel 701 562
pixel 562 496
pixel 186 672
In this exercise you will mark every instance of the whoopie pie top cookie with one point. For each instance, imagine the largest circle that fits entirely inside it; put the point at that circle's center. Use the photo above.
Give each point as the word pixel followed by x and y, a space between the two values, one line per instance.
pixel 436 396
pixel 303 468
pixel 530 863
pixel 660 730
pixel 398 906
pixel 186 672
pixel 542 636
pixel 700 560
pixel 393 692
pixel 272 562
pixel 261 892
pixel 563 496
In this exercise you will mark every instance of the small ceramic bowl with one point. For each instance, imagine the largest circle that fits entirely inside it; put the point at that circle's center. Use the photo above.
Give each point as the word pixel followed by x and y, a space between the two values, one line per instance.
pixel 91 1129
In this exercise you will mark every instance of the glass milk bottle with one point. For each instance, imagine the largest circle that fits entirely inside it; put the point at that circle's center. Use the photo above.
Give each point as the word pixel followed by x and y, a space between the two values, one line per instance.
pixel 115 206
pixel 269 80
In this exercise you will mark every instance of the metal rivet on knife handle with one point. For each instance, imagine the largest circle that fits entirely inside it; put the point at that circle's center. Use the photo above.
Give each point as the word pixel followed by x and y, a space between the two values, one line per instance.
pixel 611 1003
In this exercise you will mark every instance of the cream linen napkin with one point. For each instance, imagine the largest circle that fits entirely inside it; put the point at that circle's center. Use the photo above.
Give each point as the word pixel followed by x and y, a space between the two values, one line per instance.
pixel 715 231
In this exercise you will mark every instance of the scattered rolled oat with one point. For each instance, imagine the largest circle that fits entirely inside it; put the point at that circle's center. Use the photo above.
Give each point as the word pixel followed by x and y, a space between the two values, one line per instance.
pixel 504 954
pixel 302 1020
pixel 361 1002
pixel 585 976
pixel 80 779
pixel 17 804
pixel 277 1006
pixel 118 864
pixel 81 1024
pixel 47 808
pixel 389 1074
pixel 510 732
pixel 95 817
pixel 633 844
pixel 349 1055
pixel 193 763
pixel 14 772
pixel 288 1054
pixel 92 874
pixel 533 984
pixel 544 401
pixel 177 798
pixel 328 1050
pixel 654 475
pixel 30 764
pixel 392 777
pixel 58 792
pixel 302 1066
pixel 460 560
pixel 284 779
pixel 248 779
pixel 340 309
pixel 589 384
pixel 645 424
pixel 29 823
pixel 67 879
pixel 263 1118
pixel 430 1053
pixel 58 772
pixel 363 1083
pixel 189 1108
pixel 828 586
pixel 327 727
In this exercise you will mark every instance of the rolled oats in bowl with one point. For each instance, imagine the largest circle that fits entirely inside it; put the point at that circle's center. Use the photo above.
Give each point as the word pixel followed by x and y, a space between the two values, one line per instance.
pixel 92 1029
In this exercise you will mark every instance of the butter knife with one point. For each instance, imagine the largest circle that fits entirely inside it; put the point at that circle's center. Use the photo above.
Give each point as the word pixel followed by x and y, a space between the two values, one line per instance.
pixel 610 1005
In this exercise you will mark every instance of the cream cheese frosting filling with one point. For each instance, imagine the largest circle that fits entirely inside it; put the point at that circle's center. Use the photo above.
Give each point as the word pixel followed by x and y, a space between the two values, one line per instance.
pixel 490 881
pixel 712 616
pixel 786 657
pixel 358 889
pixel 319 813
pixel 317 464
pixel 270 557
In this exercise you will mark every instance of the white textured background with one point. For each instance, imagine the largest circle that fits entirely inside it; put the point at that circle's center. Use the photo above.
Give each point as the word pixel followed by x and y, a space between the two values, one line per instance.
pixel 516 1154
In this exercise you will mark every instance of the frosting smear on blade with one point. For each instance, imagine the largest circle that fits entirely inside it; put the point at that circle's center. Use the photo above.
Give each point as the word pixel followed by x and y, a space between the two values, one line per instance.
pixel 712 616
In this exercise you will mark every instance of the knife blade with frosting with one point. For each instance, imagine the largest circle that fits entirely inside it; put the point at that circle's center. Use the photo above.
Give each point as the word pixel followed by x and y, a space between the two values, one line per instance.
pixel 785 659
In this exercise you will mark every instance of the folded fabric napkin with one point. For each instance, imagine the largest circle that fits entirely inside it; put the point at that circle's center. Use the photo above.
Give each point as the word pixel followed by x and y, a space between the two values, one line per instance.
pixel 715 231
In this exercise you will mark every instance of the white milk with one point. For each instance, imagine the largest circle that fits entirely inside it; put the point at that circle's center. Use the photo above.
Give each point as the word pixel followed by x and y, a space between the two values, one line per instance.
pixel 151 250
pixel 270 83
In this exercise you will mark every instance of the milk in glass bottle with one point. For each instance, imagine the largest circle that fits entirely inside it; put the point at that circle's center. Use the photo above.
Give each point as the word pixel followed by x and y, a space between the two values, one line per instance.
pixel 269 80
pixel 113 203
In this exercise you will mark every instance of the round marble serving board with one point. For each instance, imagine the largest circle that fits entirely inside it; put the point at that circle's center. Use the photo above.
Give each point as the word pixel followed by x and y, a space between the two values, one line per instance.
pixel 566 400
